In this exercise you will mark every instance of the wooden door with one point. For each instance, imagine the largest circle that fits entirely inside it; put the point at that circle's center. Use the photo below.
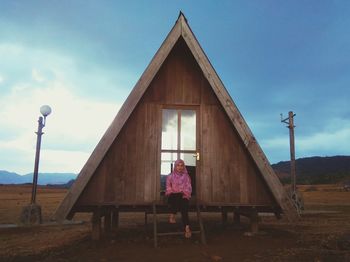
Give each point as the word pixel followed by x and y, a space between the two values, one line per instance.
pixel 179 141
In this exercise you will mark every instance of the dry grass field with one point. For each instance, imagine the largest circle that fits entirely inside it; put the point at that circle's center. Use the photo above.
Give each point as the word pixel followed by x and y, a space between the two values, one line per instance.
pixel 14 198
pixel 322 234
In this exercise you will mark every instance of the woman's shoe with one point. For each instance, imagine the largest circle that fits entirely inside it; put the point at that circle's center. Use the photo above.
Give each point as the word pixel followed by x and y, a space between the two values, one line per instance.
pixel 172 219
pixel 188 232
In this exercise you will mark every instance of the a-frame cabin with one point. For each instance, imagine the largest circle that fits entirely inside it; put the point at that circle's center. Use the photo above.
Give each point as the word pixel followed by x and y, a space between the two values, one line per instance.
pixel 178 108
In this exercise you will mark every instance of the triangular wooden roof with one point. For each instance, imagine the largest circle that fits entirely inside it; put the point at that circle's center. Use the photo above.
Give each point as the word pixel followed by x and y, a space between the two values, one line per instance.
pixel 180 29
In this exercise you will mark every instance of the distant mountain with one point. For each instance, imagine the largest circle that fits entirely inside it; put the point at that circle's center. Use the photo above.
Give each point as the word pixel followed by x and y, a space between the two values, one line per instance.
pixel 316 170
pixel 310 170
pixel 10 178
pixel 65 185
pixel 43 178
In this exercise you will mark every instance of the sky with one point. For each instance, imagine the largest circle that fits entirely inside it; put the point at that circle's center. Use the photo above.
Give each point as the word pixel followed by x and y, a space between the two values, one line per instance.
pixel 84 57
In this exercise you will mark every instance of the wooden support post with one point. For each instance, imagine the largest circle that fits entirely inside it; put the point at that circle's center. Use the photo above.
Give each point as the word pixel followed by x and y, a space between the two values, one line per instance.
pixel 224 217
pixel 155 225
pixel 96 225
pixel 201 226
pixel 107 222
pixel 236 218
pixel 115 218
pixel 254 219
pixel 146 218
pixel 277 214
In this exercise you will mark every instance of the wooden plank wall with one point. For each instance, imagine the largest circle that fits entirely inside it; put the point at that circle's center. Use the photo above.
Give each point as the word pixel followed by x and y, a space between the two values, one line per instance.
pixel 129 173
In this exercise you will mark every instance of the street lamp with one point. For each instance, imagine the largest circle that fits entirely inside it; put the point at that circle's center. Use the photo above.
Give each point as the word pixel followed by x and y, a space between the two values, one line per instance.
pixel 31 214
pixel 45 110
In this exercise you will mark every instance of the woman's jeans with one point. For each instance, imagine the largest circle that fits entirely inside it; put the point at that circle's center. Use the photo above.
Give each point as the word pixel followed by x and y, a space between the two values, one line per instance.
pixel 179 204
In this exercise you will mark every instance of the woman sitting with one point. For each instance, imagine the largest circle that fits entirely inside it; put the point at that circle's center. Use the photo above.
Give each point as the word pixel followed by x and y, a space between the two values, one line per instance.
pixel 178 190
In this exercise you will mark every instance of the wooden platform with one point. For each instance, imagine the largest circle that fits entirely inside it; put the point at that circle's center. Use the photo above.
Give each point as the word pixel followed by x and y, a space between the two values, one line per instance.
pixel 110 213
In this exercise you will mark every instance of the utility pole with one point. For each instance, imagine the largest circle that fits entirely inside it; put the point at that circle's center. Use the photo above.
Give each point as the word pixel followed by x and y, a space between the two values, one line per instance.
pixel 290 124
pixel 295 196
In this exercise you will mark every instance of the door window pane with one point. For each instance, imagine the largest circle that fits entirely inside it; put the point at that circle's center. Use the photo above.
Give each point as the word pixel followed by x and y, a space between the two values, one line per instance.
pixel 169 129
pixel 190 161
pixel 167 159
pixel 189 158
pixel 188 130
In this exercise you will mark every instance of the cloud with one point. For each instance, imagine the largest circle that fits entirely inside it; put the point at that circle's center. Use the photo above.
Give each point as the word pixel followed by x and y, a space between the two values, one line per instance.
pixel 337 142
pixel 37 75
pixel 333 140
pixel 71 132
pixel 63 160
pixel 9 49
pixel 79 117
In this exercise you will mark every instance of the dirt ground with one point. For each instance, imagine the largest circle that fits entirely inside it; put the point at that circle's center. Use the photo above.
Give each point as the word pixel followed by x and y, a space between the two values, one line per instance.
pixel 322 234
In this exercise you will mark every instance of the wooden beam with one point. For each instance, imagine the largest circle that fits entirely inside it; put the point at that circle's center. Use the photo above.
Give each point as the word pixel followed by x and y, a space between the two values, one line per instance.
pixel 236 218
pixel 155 226
pixel 96 225
pixel 254 220
pixel 176 233
pixel 115 219
pixel 224 217
pixel 107 223
pixel 201 225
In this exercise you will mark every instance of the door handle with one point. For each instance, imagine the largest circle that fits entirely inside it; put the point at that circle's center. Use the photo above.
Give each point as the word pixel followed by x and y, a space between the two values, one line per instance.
pixel 196 155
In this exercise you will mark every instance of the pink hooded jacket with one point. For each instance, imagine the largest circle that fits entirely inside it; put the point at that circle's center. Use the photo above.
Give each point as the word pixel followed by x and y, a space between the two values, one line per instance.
pixel 179 182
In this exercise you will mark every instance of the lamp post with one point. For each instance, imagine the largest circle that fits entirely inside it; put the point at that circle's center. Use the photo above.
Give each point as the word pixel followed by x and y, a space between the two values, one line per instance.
pixel 45 110
pixel 31 214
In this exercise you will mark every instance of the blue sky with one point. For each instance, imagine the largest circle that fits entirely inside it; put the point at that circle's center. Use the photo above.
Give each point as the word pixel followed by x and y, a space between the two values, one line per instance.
pixel 84 57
